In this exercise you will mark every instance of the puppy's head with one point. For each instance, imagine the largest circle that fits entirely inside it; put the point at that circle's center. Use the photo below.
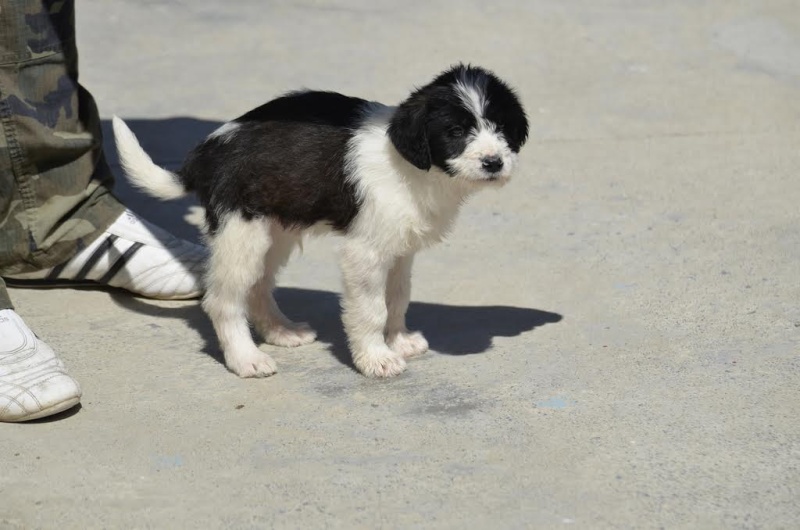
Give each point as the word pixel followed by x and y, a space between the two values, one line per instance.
pixel 466 122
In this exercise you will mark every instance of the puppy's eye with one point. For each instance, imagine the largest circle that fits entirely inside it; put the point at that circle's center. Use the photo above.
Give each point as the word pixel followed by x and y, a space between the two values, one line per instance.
pixel 456 131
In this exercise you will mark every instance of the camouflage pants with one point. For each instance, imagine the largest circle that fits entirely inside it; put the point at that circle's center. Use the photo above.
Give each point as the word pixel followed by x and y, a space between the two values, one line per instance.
pixel 54 181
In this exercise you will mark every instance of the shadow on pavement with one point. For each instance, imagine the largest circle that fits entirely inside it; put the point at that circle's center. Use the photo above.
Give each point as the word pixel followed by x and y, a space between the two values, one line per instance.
pixel 55 417
pixel 166 140
pixel 450 330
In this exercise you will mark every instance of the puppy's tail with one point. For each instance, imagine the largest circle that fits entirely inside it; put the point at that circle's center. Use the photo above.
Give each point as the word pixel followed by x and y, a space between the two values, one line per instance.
pixel 140 168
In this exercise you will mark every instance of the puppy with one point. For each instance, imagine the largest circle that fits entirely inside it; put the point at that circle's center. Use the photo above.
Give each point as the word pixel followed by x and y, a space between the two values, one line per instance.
pixel 389 180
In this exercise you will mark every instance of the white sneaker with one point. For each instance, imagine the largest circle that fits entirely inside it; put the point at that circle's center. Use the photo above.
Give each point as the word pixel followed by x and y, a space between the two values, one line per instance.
pixel 133 255
pixel 33 382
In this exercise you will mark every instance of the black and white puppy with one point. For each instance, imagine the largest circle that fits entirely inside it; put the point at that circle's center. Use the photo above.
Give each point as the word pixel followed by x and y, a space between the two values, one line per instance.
pixel 390 180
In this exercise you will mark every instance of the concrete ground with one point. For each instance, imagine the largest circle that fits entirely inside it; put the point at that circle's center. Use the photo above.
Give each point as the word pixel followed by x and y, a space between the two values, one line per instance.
pixel 616 333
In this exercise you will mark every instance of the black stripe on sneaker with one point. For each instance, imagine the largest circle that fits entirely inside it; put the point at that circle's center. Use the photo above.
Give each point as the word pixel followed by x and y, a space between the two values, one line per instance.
pixel 120 262
pixel 56 271
pixel 95 257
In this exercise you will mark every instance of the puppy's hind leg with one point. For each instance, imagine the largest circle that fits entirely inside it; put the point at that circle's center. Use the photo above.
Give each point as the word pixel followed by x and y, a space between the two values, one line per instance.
pixel 265 314
pixel 236 264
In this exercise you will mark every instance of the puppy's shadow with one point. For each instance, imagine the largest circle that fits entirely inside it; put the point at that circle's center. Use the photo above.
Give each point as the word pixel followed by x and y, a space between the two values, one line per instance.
pixel 191 313
pixel 450 330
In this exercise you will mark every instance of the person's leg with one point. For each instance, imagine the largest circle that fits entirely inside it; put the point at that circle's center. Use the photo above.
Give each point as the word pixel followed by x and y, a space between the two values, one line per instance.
pixel 59 222
pixel 58 219
pixel 55 196
pixel 40 192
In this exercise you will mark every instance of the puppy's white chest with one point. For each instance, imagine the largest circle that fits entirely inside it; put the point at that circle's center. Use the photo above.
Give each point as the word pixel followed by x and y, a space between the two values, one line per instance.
pixel 428 219
pixel 399 218
pixel 401 208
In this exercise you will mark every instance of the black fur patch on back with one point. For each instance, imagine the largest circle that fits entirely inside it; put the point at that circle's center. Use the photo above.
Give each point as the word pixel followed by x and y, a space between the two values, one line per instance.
pixel 285 160
pixel 322 108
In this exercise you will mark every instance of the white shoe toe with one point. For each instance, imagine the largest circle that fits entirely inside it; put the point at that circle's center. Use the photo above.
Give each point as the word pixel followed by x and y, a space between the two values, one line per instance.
pixel 33 382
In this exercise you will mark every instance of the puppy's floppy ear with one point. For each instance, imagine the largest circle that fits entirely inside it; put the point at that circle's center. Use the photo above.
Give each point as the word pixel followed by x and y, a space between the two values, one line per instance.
pixel 407 131
pixel 516 128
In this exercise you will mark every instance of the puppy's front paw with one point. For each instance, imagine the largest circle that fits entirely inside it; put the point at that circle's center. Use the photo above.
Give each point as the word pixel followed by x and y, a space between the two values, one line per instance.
pixel 408 344
pixel 291 336
pixel 380 362
pixel 251 364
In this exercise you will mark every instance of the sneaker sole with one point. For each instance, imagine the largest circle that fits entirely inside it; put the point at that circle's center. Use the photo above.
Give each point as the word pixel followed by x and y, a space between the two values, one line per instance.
pixel 49 411
pixel 87 284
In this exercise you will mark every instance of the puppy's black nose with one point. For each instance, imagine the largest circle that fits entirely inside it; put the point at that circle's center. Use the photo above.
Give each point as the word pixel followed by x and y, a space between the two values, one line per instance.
pixel 492 164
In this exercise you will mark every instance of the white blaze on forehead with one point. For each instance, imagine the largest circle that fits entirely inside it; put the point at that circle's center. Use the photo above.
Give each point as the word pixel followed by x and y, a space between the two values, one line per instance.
pixel 226 131
pixel 473 97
